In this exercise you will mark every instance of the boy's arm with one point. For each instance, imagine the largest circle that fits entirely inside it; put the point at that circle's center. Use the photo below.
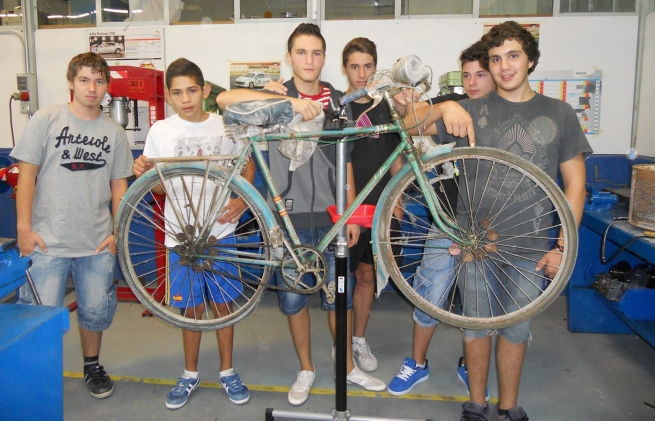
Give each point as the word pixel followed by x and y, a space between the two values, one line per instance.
pixel 309 109
pixel 574 178
pixel 27 239
pixel 236 207
pixel 456 119
pixel 118 188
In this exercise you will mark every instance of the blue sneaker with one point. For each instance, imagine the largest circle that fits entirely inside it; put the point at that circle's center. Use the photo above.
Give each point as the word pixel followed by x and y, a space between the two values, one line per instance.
pixel 236 391
pixel 180 394
pixel 408 376
pixel 463 374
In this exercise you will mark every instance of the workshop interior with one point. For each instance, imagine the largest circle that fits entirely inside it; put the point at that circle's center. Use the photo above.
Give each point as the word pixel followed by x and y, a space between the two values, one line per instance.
pixel 592 353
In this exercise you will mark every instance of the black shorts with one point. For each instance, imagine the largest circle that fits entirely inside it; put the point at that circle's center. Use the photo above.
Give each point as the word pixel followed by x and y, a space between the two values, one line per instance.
pixel 363 251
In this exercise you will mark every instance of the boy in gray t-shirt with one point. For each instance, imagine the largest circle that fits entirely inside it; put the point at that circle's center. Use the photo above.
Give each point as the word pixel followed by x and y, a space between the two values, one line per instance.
pixel 546 132
pixel 542 130
pixel 74 162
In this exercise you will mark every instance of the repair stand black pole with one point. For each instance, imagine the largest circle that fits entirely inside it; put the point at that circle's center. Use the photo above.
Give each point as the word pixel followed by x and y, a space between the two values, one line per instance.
pixel 340 412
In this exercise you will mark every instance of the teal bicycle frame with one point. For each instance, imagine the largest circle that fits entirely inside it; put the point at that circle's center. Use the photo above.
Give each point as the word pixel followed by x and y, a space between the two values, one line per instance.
pixel 405 147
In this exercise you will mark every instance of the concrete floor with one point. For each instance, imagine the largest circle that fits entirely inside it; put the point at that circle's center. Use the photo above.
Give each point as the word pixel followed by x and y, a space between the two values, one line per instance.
pixel 566 376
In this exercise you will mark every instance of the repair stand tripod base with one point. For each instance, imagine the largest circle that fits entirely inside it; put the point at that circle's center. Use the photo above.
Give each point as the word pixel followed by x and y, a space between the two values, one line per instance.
pixel 275 415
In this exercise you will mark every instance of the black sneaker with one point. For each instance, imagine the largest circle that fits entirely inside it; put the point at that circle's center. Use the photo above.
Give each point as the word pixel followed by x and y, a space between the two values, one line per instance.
pixel 473 411
pixel 514 414
pixel 98 382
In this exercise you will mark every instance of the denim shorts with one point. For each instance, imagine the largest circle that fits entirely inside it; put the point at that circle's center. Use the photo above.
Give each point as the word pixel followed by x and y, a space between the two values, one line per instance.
pixel 186 288
pixel 434 277
pixel 291 303
pixel 93 279
pixel 524 288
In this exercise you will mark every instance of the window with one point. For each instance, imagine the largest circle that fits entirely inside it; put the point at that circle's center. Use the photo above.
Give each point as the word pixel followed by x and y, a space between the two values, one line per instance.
pixel 429 7
pixel 508 8
pixel 598 6
pixel 265 9
pixel 119 10
pixel 359 9
pixel 207 11
pixel 67 13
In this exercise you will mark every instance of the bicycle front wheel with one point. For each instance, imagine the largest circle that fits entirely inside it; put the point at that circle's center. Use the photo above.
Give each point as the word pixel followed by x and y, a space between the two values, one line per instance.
pixel 507 214
pixel 195 276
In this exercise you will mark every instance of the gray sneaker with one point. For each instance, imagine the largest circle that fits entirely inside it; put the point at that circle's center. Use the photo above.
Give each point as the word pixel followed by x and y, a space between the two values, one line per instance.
pixel 473 411
pixel 515 414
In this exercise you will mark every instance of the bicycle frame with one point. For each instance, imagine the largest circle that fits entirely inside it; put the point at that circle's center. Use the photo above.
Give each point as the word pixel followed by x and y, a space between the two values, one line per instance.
pixel 405 147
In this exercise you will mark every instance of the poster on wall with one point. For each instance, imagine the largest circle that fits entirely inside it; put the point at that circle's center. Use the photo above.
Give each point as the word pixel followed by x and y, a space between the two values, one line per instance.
pixel 533 28
pixel 253 75
pixel 137 47
pixel 140 47
pixel 580 89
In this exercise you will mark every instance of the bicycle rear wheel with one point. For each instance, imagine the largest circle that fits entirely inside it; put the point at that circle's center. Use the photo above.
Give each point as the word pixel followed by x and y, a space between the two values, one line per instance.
pixel 216 277
pixel 509 214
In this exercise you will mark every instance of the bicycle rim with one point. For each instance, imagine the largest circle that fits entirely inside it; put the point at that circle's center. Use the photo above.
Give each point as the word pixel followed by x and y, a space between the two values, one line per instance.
pixel 510 214
pixel 218 277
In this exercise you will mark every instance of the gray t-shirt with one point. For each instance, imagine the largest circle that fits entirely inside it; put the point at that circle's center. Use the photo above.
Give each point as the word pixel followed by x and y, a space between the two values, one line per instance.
pixel 77 159
pixel 543 130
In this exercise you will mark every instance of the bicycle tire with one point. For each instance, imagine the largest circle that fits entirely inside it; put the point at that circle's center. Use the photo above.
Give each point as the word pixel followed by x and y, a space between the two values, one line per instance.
pixel 511 245
pixel 147 263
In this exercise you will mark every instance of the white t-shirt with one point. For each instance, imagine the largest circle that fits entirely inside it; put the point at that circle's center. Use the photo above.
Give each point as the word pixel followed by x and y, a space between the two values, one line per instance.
pixel 175 137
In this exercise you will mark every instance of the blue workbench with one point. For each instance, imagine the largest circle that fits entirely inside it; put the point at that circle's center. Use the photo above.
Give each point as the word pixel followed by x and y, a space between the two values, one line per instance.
pixel 589 311
pixel 32 362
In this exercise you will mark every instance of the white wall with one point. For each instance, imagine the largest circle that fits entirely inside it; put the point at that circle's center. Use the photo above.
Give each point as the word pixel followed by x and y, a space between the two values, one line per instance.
pixel 567 43
pixel 646 123
pixel 11 64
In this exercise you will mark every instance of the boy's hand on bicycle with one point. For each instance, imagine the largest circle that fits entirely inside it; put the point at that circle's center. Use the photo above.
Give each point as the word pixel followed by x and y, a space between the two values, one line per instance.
pixel 352 233
pixel 405 97
pixel 309 109
pixel 457 121
pixel 232 212
pixel 550 263
pixel 140 166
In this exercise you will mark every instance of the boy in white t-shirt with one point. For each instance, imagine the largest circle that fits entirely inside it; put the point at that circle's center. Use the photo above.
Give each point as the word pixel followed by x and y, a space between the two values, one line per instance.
pixel 194 132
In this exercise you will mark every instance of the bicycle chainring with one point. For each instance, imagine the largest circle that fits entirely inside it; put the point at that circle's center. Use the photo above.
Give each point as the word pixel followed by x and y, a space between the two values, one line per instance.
pixel 308 261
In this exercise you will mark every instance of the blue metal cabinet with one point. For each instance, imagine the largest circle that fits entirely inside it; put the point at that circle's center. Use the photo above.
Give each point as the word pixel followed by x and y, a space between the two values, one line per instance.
pixel 32 362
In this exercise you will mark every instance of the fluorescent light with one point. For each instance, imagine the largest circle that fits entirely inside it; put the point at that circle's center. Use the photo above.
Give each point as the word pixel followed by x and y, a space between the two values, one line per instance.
pixel 137 11
pixel 116 11
pixel 55 16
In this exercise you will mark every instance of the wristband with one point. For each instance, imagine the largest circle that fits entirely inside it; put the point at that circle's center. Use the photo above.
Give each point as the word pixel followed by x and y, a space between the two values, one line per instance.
pixel 559 248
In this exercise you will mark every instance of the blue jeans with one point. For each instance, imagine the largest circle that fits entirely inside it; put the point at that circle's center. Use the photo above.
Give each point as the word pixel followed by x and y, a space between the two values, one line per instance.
pixel 291 303
pixel 434 276
pixel 486 296
pixel 93 278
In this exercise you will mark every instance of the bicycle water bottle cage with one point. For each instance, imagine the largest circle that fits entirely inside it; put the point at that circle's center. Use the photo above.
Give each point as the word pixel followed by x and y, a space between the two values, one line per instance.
pixel 263 112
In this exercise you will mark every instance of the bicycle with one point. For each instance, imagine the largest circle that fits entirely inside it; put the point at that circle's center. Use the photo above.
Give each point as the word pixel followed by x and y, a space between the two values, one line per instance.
pixel 508 235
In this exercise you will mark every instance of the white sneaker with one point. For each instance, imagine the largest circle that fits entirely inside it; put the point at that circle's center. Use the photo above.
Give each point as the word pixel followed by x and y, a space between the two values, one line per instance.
pixel 368 382
pixel 363 355
pixel 299 392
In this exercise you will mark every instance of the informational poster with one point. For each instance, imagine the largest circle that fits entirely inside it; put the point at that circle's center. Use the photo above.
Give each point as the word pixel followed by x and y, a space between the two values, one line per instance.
pixel 139 47
pixel 580 89
pixel 253 75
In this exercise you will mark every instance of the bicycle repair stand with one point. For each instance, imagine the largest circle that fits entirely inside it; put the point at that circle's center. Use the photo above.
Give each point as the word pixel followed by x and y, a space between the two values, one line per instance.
pixel 341 411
